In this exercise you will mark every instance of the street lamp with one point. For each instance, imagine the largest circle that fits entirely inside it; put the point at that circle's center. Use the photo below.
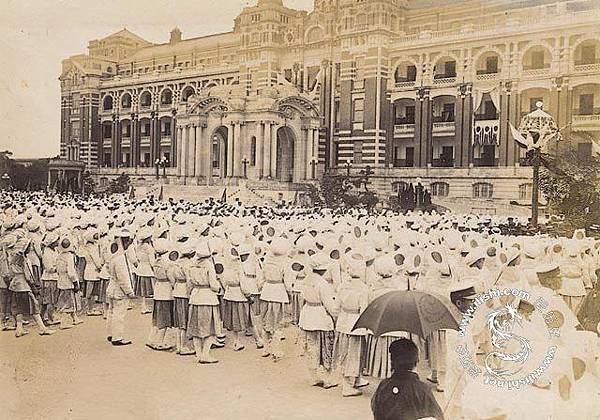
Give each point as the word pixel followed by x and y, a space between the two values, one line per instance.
pixel 313 164
pixel 6 180
pixel 348 165
pixel 536 130
pixel 161 163
pixel 245 162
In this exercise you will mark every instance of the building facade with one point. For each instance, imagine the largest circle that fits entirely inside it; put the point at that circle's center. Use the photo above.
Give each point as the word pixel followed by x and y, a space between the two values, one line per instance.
pixel 411 88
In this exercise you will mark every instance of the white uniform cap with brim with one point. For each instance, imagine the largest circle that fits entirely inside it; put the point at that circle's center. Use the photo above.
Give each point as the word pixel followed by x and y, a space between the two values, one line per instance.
pixel 473 257
pixel 355 265
pixel 144 233
pixel 162 246
pixel 319 262
pixel 123 233
pixel 466 288
pixel 9 241
pixel 385 266
pixel 244 248
pixel 50 238
pixel 202 249
pixel 532 249
pixel 89 235
pixel 280 246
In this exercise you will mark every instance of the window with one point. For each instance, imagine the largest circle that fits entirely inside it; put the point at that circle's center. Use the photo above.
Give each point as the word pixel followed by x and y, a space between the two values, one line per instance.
pixel 145 128
pixel 483 190
pixel 588 54
pixel 358 110
pixel 108 103
pixel 448 113
pixel 537 60
pixel 525 191
pixel 410 157
pixel 450 69
pixel 166 128
pixel 440 189
pixel 586 104
pixel 253 151
pixel 106 131
pixel 411 73
pixel 491 65
pixel 357 152
pixel 126 130
pixel 146 99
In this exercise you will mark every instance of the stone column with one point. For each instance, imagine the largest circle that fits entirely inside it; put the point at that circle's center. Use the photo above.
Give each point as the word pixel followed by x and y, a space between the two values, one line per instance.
pixel 113 142
pixel 185 151
pixel 307 140
pixel 230 149
pixel 191 156
pixel 260 148
pixel 237 149
pixel 200 146
pixel 173 158
pixel 273 151
pixel 266 146
pixel 207 156
pixel 300 160
pixel 315 148
pixel 179 160
pixel 132 139
pixel 153 135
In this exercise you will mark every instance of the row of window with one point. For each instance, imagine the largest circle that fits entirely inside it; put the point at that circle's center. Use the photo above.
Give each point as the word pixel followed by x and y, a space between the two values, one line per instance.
pixel 483 190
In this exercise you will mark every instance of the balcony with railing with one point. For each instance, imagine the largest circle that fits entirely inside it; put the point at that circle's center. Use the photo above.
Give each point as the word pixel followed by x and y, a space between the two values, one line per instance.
pixel 532 71
pixel 404 129
pixel 403 163
pixel 586 120
pixel 486 116
pixel 587 66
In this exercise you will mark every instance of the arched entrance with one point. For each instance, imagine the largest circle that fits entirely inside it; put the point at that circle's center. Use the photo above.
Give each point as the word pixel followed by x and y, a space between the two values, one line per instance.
pixel 219 152
pixel 285 154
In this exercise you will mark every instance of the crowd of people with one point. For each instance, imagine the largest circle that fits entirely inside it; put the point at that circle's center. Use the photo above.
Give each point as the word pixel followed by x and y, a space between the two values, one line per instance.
pixel 219 273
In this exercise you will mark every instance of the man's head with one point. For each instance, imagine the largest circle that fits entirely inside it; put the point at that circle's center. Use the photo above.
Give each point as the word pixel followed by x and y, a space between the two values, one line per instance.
pixel 404 354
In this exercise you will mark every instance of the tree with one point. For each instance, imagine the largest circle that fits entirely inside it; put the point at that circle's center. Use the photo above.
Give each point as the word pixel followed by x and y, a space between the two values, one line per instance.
pixel 571 186
pixel 337 191
pixel 119 185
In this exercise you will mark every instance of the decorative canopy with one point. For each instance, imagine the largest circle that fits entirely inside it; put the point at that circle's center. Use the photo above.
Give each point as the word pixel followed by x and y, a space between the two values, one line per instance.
pixel 536 130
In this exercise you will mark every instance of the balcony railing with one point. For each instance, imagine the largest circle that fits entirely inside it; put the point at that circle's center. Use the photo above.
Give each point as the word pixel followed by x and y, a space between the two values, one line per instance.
pixel 588 112
pixel 443 80
pixel 405 84
pixel 443 162
pixel 444 128
pixel 404 120
pixel 449 118
pixel 404 129
pixel 587 68
pixel 487 76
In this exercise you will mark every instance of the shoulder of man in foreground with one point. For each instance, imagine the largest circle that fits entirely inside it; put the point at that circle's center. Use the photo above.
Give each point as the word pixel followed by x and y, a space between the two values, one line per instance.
pixel 385 407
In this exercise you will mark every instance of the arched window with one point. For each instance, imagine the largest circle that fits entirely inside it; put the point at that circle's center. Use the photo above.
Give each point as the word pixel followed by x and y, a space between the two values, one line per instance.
pixel 166 98
pixel 525 191
pixel 483 190
pixel 146 99
pixel 126 101
pixel 253 151
pixel 440 189
pixel 107 104
pixel 187 92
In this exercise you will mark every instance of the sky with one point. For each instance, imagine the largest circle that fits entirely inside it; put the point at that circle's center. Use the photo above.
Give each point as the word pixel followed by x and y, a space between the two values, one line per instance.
pixel 36 35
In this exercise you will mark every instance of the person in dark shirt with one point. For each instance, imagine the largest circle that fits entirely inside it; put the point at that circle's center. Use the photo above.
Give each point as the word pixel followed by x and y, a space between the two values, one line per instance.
pixel 404 396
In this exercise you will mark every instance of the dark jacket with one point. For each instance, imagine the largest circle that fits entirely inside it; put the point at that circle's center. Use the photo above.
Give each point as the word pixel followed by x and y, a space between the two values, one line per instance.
pixel 404 397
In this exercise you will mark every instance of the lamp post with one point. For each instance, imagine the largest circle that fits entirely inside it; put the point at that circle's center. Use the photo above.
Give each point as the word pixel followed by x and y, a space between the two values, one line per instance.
pixel 348 165
pixel 536 130
pixel 161 163
pixel 6 181
pixel 313 165
pixel 245 162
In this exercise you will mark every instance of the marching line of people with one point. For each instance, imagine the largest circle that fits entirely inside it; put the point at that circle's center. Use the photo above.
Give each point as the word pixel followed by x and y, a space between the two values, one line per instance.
pixel 211 271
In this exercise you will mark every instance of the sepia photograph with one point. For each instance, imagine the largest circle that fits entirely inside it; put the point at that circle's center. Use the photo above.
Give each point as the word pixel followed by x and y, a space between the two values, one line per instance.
pixel 300 209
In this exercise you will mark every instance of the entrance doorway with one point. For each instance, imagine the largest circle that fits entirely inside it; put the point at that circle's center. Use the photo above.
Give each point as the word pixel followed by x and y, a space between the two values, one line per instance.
pixel 219 152
pixel 285 155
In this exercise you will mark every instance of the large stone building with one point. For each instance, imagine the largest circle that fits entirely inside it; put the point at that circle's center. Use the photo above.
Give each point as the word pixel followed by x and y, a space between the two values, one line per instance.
pixel 412 88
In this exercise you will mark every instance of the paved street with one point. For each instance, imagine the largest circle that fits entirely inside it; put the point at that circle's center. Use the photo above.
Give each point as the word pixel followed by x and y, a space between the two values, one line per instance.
pixel 76 374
